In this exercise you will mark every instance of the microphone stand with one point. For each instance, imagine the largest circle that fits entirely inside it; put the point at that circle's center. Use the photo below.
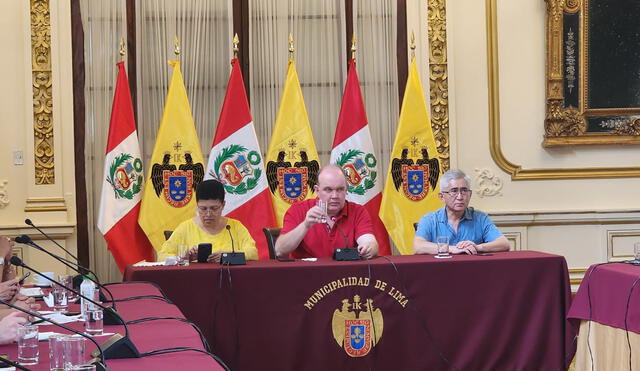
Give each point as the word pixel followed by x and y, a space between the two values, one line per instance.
pixel 347 253
pixel 14 364
pixel 29 222
pixel 232 258
pixel 100 363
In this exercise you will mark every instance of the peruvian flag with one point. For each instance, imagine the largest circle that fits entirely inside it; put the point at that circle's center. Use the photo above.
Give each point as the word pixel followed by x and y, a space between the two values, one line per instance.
pixel 236 161
pixel 122 183
pixel 353 151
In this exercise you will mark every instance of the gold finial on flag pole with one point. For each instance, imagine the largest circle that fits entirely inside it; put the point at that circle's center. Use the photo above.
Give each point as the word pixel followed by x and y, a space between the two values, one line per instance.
pixel 123 50
pixel 291 48
pixel 353 46
pixel 412 45
pixel 236 41
pixel 176 49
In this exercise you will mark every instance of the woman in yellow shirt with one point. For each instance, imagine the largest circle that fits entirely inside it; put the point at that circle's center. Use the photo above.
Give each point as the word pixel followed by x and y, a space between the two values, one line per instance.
pixel 210 226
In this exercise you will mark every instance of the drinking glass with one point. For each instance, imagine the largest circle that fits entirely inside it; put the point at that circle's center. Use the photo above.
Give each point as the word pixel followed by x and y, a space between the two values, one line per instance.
pixel 73 348
pixel 28 352
pixel 56 352
pixel 443 246
pixel 67 281
pixel 636 251
pixel 93 324
pixel 60 301
pixel 183 254
pixel 81 368
pixel 323 206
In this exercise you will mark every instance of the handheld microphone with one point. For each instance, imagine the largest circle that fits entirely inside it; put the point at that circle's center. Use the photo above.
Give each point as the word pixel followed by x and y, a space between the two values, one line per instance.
pixel 347 253
pixel 100 362
pixel 232 258
pixel 29 222
pixel 111 316
pixel 77 280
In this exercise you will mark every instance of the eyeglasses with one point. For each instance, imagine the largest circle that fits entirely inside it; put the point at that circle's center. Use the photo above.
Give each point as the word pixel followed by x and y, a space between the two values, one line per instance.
pixel 454 192
pixel 209 210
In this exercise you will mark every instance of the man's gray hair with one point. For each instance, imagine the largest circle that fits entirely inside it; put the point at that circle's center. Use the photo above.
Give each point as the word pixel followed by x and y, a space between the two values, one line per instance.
pixel 452 175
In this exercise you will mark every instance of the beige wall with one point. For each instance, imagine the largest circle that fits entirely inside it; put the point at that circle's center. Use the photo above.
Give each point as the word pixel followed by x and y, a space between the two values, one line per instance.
pixel 586 220
pixel 53 206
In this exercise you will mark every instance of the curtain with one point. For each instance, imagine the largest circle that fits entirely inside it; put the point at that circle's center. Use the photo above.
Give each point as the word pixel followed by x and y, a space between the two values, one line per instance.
pixel 104 23
pixel 318 29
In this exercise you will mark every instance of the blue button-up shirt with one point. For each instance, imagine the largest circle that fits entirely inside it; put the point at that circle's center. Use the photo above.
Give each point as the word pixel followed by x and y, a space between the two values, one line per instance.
pixel 474 226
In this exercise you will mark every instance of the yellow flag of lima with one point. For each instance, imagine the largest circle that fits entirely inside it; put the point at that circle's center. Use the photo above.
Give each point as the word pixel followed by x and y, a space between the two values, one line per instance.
pixel 411 189
pixel 292 159
pixel 176 167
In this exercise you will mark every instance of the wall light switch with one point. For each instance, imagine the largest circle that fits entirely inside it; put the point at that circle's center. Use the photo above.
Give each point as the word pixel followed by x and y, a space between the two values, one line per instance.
pixel 18 158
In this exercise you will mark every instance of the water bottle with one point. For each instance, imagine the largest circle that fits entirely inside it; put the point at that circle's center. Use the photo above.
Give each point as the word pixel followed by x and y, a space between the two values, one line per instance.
pixel 87 288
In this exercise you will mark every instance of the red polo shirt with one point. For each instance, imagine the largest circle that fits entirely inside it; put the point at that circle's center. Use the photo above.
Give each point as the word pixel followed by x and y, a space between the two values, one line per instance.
pixel 352 222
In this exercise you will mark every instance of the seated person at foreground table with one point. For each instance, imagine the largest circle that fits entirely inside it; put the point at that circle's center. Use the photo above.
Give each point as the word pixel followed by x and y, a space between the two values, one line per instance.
pixel 208 225
pixel 304 234
pixel 470 231
pixel 9 285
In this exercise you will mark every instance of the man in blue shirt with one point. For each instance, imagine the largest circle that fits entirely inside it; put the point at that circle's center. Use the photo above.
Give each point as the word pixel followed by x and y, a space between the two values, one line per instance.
pixel 470 231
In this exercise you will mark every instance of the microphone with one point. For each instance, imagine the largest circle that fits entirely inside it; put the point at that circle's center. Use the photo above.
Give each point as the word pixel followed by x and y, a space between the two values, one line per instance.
pixel 100 362
pixel 347 253
pixel 29 222
pixel 77 280
pixel 232 258
pixel 5 362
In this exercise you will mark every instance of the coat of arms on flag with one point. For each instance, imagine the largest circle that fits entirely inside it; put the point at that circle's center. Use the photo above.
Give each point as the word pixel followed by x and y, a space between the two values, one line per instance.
pixel 125 176
pixel 359 169
pixel 293 183
pixel 415 177
pixel 176 185
pixel 238 168
pixel 357 330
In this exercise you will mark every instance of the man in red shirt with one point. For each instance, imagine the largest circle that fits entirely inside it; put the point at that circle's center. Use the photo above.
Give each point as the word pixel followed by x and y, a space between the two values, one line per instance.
pixel 304 233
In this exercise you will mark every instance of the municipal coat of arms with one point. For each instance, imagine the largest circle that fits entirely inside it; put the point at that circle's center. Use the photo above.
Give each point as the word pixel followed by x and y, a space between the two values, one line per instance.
pixel 125 176
pixel 359 169
pixel 292 183
pixel 357 327
pixel 237 168
pixel 176 186
pixel 415 177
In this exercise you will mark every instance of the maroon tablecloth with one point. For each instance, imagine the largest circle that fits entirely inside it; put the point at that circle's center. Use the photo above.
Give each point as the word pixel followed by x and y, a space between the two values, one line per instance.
pixel 501 312
pixel 146 336
pixel 604 294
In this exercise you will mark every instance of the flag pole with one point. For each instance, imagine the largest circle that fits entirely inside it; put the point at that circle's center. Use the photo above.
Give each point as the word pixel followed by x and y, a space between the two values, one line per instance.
pixel 176 48
pixel 123 50
pixel 353 46
pixel 236 41
pixel 291 47
pixel 412 45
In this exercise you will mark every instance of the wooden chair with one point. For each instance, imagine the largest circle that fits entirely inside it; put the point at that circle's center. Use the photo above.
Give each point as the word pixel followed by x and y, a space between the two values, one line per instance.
pixel 271 235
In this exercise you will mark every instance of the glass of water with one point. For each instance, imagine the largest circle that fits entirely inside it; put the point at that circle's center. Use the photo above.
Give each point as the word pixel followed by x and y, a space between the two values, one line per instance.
pixel 28 352
pixel 636 251
pixel 443 246
pixel 183 254
pixel 73 350
pixel 60 300
pixel 323 206
pixel 93 324
pixel 56 361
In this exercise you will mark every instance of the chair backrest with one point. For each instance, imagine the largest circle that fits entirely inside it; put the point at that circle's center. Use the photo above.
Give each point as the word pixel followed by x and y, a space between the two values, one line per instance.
pixel 271 235
pixel 415 226
pixel 167 234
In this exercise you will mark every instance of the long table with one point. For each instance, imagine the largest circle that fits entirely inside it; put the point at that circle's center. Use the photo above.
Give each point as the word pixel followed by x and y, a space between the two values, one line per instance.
pixel 501 312
pixel 146 336
pixel 607 307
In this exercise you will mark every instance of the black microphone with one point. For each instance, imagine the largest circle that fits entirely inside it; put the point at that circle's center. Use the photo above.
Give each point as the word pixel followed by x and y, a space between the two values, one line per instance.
pixel 77 280
pixel 29 222
pixel 6 361
pixel 347 253
pixel 100 362
pixel 232 258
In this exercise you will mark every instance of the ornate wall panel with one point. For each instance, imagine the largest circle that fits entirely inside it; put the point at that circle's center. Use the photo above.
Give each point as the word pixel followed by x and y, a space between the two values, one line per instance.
pixel 438 77
pixel 42 88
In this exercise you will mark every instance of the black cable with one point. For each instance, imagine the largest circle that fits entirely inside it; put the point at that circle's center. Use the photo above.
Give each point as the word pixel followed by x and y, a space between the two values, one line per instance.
pixel 626 314
pixel 419 314
pixel 590 310
pixel 205 343
pixel 14 364
pixel 152 297
pixel 184 349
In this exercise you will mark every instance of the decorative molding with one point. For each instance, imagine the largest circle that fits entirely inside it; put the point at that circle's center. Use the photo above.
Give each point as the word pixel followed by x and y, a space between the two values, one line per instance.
pixel 42 92
pixel 45 204
pixel 487 184
pixel 516 237
pixel 620 233
pixel 516 171
pixel 439 78
pixel 4 193
pixel 551 218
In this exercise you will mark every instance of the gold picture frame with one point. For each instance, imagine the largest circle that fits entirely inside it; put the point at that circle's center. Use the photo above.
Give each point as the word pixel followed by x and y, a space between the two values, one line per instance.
pixel 572 117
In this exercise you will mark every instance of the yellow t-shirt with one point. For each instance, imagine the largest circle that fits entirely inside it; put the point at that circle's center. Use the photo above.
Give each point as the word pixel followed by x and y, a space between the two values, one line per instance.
pixel 189 233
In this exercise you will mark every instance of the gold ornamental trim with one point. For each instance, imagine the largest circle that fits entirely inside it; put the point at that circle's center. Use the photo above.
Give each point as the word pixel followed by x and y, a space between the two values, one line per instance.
pixel 516 171
pixel 42 91
pixel 45 204
pixel 439 78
